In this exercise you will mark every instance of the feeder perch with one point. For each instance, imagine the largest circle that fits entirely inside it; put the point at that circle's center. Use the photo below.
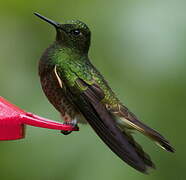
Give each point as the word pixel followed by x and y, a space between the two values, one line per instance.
pixel 13 121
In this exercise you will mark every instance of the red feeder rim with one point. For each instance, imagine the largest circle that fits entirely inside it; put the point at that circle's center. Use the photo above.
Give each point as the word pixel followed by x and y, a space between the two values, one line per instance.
pixel 13 121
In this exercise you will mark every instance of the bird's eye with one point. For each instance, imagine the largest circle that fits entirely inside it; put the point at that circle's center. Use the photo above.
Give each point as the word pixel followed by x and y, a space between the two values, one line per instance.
pixel 75 32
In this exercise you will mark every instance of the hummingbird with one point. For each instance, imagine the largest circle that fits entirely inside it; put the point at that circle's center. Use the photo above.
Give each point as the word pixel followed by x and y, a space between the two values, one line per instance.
pixel 80 93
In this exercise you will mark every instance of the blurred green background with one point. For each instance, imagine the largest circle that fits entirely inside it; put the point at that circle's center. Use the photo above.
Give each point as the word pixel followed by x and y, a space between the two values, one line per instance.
pixel 139 46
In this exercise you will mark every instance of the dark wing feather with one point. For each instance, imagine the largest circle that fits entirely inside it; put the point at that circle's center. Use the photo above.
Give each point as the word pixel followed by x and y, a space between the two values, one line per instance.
pixel 132 121
pixel 89 104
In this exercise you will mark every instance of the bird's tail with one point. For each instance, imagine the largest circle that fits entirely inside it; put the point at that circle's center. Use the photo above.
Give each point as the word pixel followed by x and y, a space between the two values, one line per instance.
pixel 132 122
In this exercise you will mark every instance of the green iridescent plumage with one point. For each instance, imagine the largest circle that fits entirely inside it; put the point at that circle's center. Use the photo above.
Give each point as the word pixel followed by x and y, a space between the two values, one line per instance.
pixel 78 91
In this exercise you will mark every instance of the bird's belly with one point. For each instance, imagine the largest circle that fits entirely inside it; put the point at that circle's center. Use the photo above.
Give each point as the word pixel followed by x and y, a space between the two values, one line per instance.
pixel 57 97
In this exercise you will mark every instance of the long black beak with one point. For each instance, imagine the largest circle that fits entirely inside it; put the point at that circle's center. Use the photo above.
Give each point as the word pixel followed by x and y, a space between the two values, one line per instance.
pixel 55 24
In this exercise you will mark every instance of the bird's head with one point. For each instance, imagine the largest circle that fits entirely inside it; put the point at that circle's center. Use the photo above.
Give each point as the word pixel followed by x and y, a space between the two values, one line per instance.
pixel 73 34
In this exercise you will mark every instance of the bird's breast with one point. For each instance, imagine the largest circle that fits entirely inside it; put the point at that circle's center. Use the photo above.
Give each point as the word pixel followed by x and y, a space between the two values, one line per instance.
pixel 53 88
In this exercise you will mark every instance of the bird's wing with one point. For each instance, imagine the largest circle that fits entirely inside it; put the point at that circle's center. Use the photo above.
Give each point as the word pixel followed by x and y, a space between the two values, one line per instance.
pixel 87 98
pixel 128 118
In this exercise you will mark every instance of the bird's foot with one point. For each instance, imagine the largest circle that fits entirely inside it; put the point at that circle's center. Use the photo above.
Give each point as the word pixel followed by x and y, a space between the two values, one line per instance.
pixel 72 123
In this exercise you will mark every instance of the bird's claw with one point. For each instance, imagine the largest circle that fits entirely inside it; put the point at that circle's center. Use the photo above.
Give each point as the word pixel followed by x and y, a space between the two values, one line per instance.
pixel 75 127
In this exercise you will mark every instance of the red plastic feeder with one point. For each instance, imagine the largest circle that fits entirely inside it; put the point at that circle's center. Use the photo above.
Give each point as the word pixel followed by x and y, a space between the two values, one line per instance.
pixel 13 121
